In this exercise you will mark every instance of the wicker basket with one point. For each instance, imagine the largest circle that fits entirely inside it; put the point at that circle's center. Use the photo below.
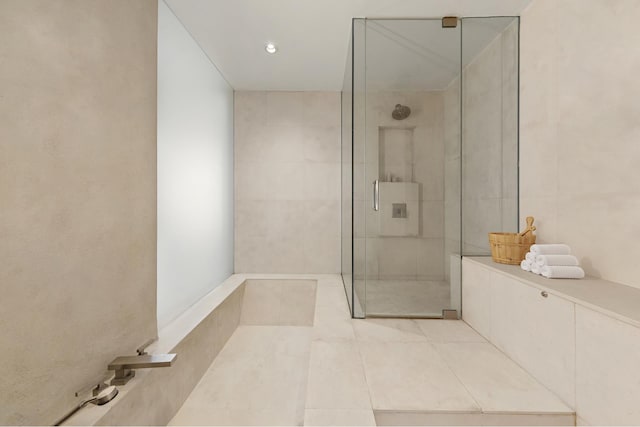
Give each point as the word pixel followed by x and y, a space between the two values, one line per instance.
pixel 511 248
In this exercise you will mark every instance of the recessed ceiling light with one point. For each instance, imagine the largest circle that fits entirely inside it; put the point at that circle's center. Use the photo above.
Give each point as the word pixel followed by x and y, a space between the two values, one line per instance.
pixel 271 48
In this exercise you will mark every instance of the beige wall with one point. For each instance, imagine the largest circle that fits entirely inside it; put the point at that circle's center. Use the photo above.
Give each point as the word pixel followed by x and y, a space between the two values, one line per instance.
pixel 77 196
pixel 489 156
pixel 287 182
pixel 580 132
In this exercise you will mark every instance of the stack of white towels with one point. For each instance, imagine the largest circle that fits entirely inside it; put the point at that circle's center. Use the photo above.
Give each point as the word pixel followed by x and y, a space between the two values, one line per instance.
pixel 553 262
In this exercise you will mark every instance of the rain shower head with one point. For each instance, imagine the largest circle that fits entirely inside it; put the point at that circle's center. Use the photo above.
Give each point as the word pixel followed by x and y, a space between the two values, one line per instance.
pixel 401 112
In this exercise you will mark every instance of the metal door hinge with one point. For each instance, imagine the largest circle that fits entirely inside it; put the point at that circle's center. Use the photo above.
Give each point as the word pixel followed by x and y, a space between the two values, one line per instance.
pixel 450 314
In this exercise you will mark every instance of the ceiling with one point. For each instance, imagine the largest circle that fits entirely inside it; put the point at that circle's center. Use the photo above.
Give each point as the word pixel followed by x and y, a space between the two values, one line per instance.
pixel 313 39
pixel 419 55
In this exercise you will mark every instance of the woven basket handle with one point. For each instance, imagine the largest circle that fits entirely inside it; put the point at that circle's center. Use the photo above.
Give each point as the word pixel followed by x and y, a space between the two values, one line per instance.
pixel 530 227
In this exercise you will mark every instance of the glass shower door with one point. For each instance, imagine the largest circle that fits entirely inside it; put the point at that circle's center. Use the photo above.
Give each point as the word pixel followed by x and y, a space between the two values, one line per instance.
pixel 411 166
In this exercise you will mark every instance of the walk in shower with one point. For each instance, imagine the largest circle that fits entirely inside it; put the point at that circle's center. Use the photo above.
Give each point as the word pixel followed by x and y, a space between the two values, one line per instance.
pixel 429 158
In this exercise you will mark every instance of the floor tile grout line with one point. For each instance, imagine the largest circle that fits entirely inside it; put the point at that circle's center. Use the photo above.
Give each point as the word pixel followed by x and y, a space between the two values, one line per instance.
pixel 444 359
pixel 331 341
pixel 362 367
pixel 364 372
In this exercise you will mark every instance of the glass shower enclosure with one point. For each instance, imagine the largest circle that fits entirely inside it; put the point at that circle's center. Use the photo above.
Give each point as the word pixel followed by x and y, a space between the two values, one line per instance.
pixel 429 158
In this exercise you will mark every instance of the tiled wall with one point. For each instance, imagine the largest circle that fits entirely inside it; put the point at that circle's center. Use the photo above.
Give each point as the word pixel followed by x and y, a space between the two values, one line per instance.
pixel 452 167
pixel 420 257
pixel 346 220
pixel 287 182
pixel 580 138
pixel 77 196
pixel 489 140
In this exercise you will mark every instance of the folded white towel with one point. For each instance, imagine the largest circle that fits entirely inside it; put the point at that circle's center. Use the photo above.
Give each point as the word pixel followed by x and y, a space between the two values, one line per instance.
pixel 531 257
pixel 535 268
pixel 556 260
pixel 525 265
pixel 554 249
pixel 562 272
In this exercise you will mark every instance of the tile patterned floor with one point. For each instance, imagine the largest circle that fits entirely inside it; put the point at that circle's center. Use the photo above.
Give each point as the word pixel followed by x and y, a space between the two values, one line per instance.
pixel 341 371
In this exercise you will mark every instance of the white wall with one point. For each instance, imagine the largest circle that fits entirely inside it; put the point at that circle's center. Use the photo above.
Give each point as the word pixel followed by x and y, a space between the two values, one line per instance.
pixel 579 130
pixel 195 171
pixel 287 182
pixel 77 197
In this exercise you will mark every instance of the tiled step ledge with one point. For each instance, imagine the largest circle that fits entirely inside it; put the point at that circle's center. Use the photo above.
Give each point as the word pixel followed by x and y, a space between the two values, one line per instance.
pixel 612 299
pixel 450 418
pixel 153 396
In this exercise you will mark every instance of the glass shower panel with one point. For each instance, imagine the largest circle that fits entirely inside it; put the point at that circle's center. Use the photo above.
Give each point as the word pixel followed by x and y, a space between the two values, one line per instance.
pixel 361 195
pixel 347 178
pixel 411 167
pixel 489 130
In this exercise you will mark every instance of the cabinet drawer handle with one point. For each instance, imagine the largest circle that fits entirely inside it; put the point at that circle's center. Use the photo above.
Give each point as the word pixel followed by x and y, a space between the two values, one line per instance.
pixel 544 294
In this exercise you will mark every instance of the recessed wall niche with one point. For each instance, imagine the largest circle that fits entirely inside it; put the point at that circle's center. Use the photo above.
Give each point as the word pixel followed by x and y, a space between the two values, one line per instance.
pixel 396 154
pixel 399 198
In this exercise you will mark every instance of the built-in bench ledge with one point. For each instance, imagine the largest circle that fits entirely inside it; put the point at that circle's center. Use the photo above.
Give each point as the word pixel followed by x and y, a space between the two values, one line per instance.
pixel 613 299
pixel 579 338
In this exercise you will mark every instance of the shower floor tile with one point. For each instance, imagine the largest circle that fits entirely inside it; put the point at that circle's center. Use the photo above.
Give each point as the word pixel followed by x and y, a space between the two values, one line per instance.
pixel 406 298
pixel 344 371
